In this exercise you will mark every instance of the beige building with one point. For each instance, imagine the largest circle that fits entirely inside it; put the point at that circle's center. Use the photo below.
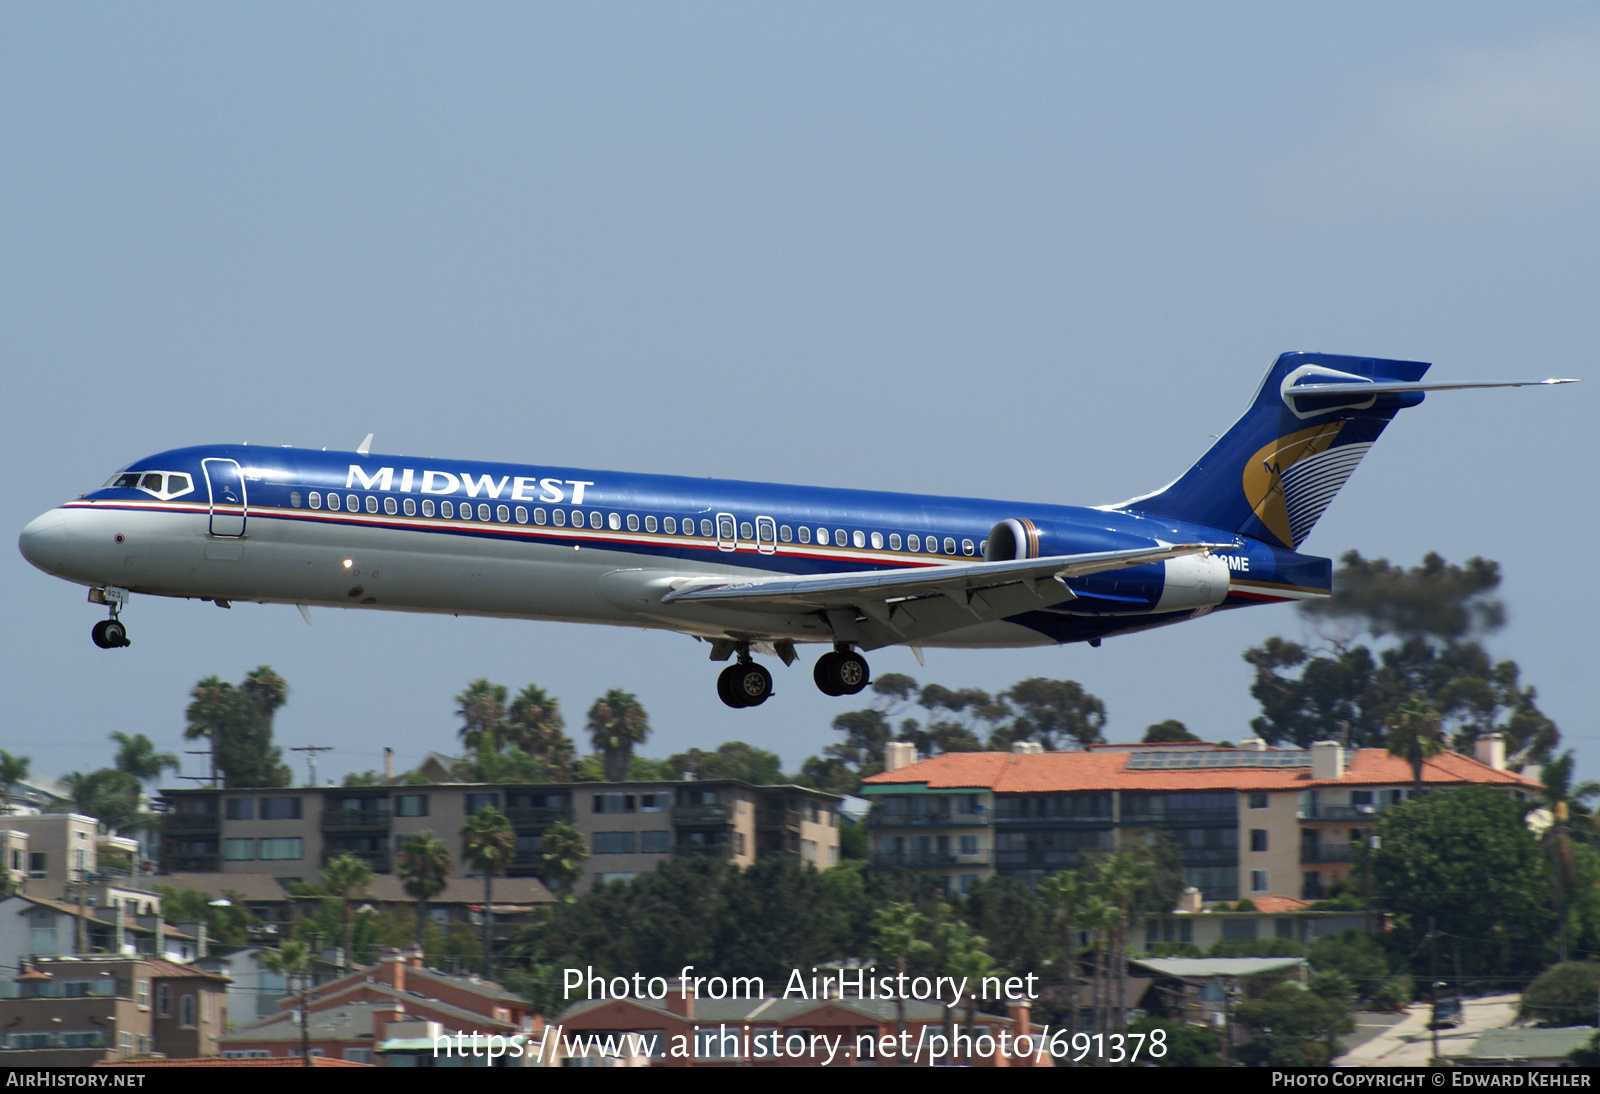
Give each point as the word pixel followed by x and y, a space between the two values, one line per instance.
pixel 290 834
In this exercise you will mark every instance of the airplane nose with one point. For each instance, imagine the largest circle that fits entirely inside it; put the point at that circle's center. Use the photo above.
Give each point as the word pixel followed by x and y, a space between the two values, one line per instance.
pixel 43 541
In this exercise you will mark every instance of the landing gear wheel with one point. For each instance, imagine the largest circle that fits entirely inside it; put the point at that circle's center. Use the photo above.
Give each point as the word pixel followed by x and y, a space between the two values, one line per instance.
pixel 823 674
pixel 109 634
pixel 744 685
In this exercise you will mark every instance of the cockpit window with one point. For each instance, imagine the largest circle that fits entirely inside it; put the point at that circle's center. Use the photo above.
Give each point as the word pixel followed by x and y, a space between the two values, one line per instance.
pixel 128 480
pixel 152 482
pixel 177 484
pixel 162 484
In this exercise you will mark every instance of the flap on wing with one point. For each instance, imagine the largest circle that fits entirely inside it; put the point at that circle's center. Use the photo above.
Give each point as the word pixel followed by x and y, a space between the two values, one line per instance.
pixel 870 588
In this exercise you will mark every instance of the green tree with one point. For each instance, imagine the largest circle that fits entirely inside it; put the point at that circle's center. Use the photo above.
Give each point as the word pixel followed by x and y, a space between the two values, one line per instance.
pixel 731 760
pixel 343 878
pixel 1170 731
pixel 897 939
pixel 1065 894
pixel 1120 879
pixel 562 853
pixel 617 722
pixel 424 863
pixel 1564 801
pixel 1054 713
pixel 490 843
pixel 482 709
pixel 967 960
pixel 1563 995
pixel 1295 1026
pixel 228 925
pixel 108 795
pixel 238 723
pixel 1414 736
pixel 13 769
pixel 536 727
pixel 137 756
pixel 1465 858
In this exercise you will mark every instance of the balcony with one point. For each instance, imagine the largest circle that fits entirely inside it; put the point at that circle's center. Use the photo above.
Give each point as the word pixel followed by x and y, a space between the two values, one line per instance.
pixel 355 820
pixel 916 860
pixel 877 819
pixel 124 879
pixel 1031 824
pixel 378 860
pixel 703 850
pixel 701 815
pixel 1208 856
pixel 1326 852
pixel 780 818
pixel 1183 818
pixel 538 816
pixel 1340 812
pixel 190 822
pixel 191 864
pixel 1039 860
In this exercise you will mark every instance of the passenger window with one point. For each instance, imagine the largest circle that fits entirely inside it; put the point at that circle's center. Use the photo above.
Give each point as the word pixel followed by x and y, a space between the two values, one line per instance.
pixel 427 507
pixel 466 511
pixel 705 528
pixel 333 502
pixel 152 482
pixel 595 519
pixel 894 541
pixel 352 503
pixel 877 541
pixel 784 534
pixel 841 538
pixel 860 539
pixel 483 510
pixel 538 516
pixel 966 546
pixel 649 524
pixel 670 526
pixel 633 522
pixel 746 532
pixel 294 498
pixel 949 546
pixel 410 507
pixel 805 534
pixel 913 543
pixel 522 514
pixel 314 499
pixel 501 513
pixel 372 504
pixel 822 536
pixel 447 509
pixel 614 522
pixel 391 506
pixel 177 484
pixel 560 516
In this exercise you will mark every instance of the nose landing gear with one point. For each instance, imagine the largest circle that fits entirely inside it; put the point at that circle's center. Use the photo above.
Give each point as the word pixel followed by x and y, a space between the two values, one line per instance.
pixel 110 634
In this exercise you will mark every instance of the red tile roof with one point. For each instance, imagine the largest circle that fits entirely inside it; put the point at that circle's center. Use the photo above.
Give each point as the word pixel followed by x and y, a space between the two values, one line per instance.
pixel 1009 773
pixel 1276 904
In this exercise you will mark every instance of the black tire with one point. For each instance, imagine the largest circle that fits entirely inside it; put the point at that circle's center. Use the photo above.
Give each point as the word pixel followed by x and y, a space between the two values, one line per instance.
pixel 823 674
pixel 752 684
pixel 850 672
pixel 99 634
pixel 116 634
pixel 728 686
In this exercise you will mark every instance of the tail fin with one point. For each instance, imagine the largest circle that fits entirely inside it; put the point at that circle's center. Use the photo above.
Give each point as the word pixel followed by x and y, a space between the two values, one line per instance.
pixel 1273 473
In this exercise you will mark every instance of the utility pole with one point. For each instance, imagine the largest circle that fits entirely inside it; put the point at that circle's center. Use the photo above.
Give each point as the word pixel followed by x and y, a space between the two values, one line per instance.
pixel 1373 843
pixel 1433 986
pixel 311 758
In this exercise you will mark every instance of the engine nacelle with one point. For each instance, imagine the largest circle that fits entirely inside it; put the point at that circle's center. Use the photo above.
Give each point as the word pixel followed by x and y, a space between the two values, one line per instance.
pixel 1011 540
pixel 1193 581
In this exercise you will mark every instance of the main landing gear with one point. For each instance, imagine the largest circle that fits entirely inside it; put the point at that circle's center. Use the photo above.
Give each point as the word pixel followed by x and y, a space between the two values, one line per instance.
pixel 110 634
pixel 744 684
pixel 841 672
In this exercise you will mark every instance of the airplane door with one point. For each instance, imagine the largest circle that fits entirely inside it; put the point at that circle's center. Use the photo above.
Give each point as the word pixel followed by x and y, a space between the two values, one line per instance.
pixel 766 535
pixel 228 501
pixel 727 534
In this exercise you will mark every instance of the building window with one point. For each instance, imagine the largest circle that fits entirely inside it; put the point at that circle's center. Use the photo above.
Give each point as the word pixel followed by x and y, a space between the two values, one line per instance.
pixel 163 1000
pixel 1359 798
pixel 411 805
pixel 186 1012
pixel 613 803
pixel 280 808
pixel 281 849
pixel 1258 801
pixel 358 1055
pixel 808 850
pixel 969 845
pixel 239 809
pixel 653 803
pixel 476 802
pixel 1285 927
pixel 655 843
pixel 1258 839
pixel 239 850
pixel 1258 881
pixel 613 843
pixel 38 863
pixel 738 843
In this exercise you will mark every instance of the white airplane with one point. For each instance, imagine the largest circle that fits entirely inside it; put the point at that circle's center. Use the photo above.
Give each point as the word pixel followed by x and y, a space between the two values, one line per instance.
pixel 750 568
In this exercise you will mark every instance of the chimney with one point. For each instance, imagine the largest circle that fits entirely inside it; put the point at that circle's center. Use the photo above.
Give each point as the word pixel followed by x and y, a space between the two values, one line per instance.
pixel 1019 1012
pixel 388 762
pixel 1252 744
pixel 414 956
pixel 161 935
pixel 898 754
pixel 122 928
pixel 202 947
pixel 1189 901
pixel 1490 749
pixel 1327 760
pixel 1027 748
pixel 392 969
pixel 384 1012
pixel 681 1003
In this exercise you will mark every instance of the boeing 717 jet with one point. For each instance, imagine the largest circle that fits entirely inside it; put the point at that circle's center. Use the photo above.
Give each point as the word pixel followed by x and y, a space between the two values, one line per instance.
pixel 749 568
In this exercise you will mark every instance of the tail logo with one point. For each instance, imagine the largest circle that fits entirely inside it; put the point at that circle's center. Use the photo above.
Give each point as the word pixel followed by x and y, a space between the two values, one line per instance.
pixel 1289 482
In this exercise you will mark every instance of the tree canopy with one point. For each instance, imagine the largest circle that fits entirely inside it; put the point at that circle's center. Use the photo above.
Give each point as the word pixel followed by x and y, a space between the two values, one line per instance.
pixel 238 722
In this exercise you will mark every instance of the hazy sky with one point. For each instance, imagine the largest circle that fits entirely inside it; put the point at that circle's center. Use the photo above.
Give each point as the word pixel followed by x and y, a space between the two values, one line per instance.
pixel 1040 252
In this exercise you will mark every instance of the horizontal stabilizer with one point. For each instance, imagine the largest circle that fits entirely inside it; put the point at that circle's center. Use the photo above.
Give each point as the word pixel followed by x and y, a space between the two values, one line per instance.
pixel 1381 386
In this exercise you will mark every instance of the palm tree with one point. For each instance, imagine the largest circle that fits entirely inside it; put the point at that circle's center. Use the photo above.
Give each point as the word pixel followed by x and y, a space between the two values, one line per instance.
pixel 1563 799
pixel 344 877
pixel 1414 735
pixel 489 842
pixel 1099 918
pixel 1120 877
pixel 562 854
pixel 13 769
pixel 537 727
pixel 291 960
pixel 967 960
pixel 138 757
pixel 616 723
pixel 482 708
pixel 424 863
pixel 898 938
pixel 1065 894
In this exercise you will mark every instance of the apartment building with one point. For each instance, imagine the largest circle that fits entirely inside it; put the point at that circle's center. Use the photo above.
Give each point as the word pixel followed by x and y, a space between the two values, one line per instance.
pixel 54 854
pixel 78 1011
pixel 290 834
pixel 1246 822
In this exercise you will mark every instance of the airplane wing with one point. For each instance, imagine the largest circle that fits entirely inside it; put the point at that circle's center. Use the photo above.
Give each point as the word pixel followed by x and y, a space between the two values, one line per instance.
pixel 907 605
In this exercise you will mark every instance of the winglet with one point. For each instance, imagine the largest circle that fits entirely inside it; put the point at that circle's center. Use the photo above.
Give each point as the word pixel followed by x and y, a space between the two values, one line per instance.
pixel 365 446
